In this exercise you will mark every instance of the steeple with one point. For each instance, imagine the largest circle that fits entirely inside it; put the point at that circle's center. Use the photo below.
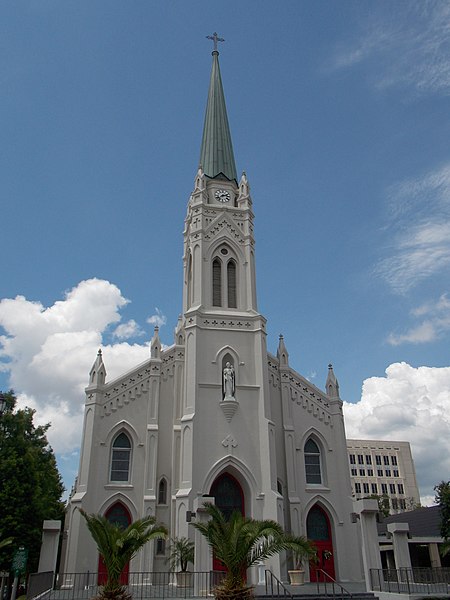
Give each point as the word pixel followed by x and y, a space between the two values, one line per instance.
pixel 216 153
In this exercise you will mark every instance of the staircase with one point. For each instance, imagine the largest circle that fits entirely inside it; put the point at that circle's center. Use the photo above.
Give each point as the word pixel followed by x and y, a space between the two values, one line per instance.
pixel 329 588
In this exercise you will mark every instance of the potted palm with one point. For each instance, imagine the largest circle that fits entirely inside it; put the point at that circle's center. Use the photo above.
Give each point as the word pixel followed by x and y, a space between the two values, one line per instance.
pixel 181 554
pixel 118 546
pixel 240 543
pixel 297 574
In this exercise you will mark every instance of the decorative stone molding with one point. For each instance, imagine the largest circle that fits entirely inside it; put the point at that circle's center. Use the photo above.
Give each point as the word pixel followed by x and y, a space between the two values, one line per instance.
pixel 229 441
pixel 229 407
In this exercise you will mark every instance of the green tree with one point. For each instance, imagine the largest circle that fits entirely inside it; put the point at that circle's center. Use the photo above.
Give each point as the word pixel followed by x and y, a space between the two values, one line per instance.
pixel 384 506
pixel 117 547
pixel 443 499
pixel 30 484
pixel 240 543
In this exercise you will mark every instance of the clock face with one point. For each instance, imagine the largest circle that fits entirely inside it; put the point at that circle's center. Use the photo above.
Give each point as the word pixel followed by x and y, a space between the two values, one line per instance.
pixel 222 195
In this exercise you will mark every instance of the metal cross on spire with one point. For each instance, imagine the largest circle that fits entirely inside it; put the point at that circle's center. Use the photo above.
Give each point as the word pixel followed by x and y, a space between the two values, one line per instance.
pixel 215 38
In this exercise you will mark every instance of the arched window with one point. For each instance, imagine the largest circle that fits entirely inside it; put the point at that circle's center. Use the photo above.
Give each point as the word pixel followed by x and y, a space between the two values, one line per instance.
pixel 231 284
pixel 224 278
pixel 228 495
pixel 279 487
pixel 162 491
pixel 217 282
pixel 121 458
pixel 312 462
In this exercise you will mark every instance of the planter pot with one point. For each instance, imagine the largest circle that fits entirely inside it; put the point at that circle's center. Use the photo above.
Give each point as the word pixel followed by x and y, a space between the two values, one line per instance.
pixel 297 577
pixel 184 579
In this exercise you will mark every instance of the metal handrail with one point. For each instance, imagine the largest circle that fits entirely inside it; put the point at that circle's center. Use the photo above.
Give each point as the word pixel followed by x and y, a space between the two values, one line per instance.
pixel 334 582
pixel 417 580
pixel 269 579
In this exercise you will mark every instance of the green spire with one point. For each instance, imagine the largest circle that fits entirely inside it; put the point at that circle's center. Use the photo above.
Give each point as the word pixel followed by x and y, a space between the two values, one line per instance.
pixel 216 154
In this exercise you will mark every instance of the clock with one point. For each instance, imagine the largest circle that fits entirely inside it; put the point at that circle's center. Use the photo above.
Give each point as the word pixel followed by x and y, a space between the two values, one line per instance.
pixel 222 195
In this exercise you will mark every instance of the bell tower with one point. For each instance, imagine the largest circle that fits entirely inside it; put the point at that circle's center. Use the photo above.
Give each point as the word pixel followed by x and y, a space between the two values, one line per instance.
pixel 219 265
pixel 226 427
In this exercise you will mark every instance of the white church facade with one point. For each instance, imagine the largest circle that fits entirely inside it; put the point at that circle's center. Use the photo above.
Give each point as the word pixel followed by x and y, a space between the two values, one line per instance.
pixel 216 416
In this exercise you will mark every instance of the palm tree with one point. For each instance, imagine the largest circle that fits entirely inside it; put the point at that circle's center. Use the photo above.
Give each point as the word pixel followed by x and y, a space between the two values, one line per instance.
pixel 6 542
pixel 240 543
pixel 181 554
pixel 118 546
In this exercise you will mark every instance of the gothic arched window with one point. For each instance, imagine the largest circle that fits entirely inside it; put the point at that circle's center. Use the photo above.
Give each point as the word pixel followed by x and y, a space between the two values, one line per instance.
pixel 224 278
pixel 162 491
pixel 312 462
pixel 121 458
pixel 217 282
pixel 231 284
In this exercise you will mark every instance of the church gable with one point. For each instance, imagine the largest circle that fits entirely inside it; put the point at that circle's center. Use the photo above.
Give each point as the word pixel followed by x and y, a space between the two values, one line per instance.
pixel 302 392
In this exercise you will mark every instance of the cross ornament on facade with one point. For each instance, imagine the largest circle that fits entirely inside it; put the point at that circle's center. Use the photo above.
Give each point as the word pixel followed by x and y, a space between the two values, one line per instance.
pixel 215 38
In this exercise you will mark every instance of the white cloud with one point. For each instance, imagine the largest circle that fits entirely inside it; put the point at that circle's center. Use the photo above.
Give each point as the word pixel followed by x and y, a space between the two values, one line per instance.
pixel 418 230
pixel 48 353
pixel 408 404
pixel 127 330
pixel 435 323
pixel 157 319
pixel 404 45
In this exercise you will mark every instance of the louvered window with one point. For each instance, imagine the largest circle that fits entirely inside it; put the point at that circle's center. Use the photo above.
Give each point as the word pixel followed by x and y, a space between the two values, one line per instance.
pixel 231 283
pixel 217 282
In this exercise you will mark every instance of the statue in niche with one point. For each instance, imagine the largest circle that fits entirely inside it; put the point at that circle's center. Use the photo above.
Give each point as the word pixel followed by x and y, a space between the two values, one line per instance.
pixel 228 382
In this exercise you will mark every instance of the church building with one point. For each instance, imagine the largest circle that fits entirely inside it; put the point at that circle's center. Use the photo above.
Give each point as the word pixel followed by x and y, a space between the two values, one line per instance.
pixel 216 416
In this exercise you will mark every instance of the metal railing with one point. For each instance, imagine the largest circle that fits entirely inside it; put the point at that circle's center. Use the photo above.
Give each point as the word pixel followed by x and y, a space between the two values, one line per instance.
pixel 161 585
pixel 274 587
pixel 411 581
pixel 337 590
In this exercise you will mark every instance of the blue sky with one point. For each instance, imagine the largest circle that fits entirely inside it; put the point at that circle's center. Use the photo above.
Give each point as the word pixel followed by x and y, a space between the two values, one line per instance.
pixel 339 113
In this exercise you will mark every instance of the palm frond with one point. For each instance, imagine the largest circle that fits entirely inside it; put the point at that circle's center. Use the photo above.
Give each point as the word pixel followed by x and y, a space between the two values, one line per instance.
pixel 118 546
pixel 241 542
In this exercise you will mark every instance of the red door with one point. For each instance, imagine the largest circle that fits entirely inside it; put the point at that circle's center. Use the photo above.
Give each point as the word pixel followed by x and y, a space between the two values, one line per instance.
pixel 119 515
pixel 229 497
pixel 319 531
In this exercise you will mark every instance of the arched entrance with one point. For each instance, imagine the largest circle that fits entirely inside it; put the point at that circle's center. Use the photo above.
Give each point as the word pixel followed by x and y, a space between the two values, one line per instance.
pixel 229 497
pixel 119 515
pixel 318 530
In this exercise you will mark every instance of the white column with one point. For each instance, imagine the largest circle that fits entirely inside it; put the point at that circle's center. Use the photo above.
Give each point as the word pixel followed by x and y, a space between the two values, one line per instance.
pixel 367 511
pixel 49 546
pixel 399 533
pixel 435 557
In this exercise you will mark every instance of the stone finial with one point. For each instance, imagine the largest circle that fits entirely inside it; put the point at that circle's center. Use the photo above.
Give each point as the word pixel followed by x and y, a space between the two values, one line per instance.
pixel 97 375
pixel 282 353
pixel 332 385
pixel 179 331
pixel 155 346
pixel 244 189
pixel 199 183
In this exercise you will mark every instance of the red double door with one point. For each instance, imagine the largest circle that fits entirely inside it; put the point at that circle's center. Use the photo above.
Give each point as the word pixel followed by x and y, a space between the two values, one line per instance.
pixel 319 531
pixel 119 515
